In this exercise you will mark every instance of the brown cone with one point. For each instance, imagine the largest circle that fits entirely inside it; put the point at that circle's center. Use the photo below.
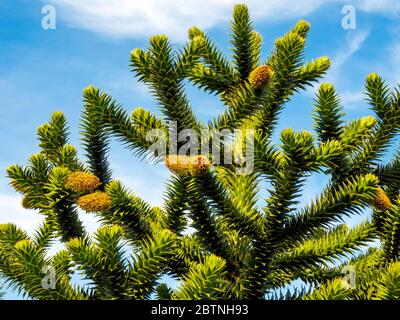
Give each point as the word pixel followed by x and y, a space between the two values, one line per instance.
pixel 382 201
pixel 82 182
pixel 95 202
pixel 260 77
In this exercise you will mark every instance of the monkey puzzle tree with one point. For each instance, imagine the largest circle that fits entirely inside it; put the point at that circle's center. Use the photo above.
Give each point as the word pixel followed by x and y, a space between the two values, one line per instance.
pixel 239 249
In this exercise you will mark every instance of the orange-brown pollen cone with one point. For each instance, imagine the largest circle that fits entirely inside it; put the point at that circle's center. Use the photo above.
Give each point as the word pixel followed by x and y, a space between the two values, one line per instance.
pixel 260 77
pixel 187 165
pixel 199 165
pixel 95 202
pixel 382 201
pixel 82 182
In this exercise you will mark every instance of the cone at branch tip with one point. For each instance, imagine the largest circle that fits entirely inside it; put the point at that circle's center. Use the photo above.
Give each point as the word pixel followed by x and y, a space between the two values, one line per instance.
pixel 187 165
pixel 95 202
pixel 260 77
pixel 82 182
pixel 382 201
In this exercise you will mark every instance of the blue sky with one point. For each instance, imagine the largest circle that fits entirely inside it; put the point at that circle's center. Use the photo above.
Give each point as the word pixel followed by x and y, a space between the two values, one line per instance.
pixel 42 71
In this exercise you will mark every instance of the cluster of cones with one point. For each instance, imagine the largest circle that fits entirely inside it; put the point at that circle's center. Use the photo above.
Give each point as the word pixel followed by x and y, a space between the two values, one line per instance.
pixel 86 183
pixel 97 201
pixel 90 200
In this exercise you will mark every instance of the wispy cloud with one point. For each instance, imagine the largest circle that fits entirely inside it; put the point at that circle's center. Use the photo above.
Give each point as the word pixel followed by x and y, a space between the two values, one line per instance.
pixel 127 18
pixel 351 99
pixel 353 43
pixel 386 7
pixel 393 70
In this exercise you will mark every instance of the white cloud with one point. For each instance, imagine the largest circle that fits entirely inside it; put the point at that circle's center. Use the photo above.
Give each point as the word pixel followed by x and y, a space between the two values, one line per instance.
pixel 90 221
pixel 351 99
pixel 146 181
pixel 386 7
pixel 133 18
pixel 11 211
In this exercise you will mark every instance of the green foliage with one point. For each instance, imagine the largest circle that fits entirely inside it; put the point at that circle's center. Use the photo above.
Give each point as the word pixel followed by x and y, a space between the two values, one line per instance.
pixel 24 265
pixel 154 257
pixel 95 142
pixel 246 42
pixel 331 290
pixel 215 234
pixel 102 262
pixel 204 281
pixel 328 113
pixel 388 283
